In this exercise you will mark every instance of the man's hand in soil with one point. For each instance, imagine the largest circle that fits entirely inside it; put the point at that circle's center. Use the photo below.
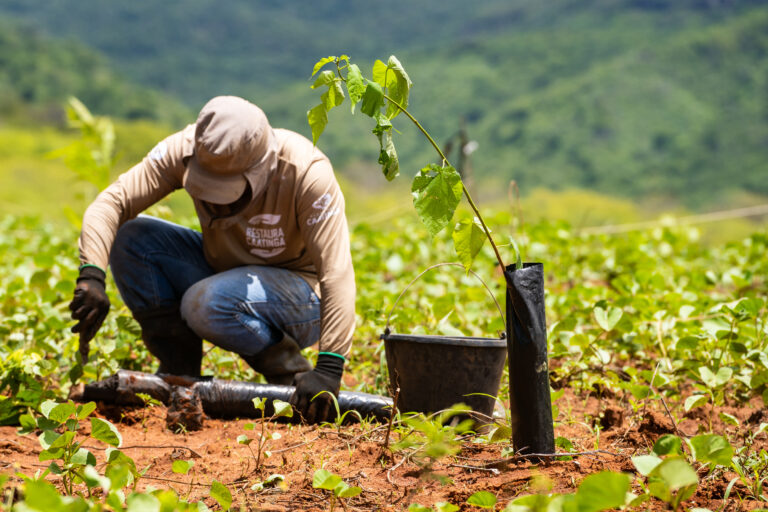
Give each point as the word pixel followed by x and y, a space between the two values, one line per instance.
pixel 89 306
pixel 311 398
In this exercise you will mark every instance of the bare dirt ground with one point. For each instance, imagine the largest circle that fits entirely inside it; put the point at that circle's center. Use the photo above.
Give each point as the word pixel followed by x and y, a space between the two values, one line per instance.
pixel 390 482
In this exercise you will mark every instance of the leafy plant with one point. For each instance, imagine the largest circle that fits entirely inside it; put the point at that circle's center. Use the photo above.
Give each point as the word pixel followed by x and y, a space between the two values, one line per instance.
pixel 436 189
pixel 324 479
pixel 281 410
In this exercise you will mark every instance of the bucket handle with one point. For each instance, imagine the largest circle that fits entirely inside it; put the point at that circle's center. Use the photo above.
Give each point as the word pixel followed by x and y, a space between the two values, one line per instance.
pixel 444 264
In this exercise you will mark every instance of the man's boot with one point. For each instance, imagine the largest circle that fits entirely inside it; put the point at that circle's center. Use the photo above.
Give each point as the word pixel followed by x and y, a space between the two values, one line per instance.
pixel 280 362
pixel 171 341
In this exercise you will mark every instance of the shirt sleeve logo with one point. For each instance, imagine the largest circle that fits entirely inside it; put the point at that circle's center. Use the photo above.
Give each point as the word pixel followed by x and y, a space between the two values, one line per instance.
pixel 322 203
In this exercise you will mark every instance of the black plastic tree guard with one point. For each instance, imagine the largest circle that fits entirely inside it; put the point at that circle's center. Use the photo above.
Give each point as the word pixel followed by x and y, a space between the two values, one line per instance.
pixel 529 398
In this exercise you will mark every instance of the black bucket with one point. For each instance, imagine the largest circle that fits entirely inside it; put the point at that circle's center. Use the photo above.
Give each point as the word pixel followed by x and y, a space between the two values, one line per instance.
pixel 433 373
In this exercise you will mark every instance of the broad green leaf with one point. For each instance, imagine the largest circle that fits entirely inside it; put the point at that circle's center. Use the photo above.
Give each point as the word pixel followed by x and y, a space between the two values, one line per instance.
pixel 40 495
pixel 668 444
pixel 444 506
pixel 415 507
pixel 140 502
pixel 324 479
pixel 324 78
pixel 707 376
pixel 436 194
pixel 602 491
pixel 694 401
pixel 675 473
pixel 61 412
pixel 355 85
pixel 502 433
pixel 645 464
pixel 51 454
pixel 106 432
pixel 607 319
pixel 92 478
pixel 282 409
pixel 483 499
pixel 398 86
pixel 322 62
pixel 712 448
pixel 373 99
pixel 181 466
pixel 334 96
pixel 47 406
pixel 729 418
pixel 379 73
pixel 221 494
pixel 83 457
pixel 259 404
pixel 723 375
pixel 317 118
pixel 47 438
pixel 468 239
pixel 390 164
pixel 343 490
pixel 244 439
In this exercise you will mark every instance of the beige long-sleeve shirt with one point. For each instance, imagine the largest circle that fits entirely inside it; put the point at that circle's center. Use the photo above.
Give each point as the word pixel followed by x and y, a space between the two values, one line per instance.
pixel 297 223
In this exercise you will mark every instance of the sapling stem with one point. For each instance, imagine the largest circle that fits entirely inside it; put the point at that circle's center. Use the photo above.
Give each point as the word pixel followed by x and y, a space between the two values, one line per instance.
pixel 463 187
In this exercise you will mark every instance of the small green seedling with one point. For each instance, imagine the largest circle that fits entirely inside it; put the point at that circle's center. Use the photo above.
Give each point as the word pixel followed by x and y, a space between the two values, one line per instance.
pixel 149 403
pixel 324 479
pixel 281 410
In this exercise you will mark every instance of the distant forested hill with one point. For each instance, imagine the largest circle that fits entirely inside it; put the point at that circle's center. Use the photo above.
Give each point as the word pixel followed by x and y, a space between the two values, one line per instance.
pixel 634 97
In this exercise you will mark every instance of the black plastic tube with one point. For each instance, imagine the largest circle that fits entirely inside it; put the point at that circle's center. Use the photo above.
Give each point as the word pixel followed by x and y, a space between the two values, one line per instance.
pixel 530 401
pixel 222 398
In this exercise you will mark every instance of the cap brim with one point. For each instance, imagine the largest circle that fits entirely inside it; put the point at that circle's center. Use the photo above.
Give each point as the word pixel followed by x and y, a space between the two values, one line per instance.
pixel 212 188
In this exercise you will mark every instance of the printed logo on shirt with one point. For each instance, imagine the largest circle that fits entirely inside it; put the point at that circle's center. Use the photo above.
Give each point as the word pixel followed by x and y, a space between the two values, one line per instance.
pixel 265 238
pixel 159 151
pixel 322 203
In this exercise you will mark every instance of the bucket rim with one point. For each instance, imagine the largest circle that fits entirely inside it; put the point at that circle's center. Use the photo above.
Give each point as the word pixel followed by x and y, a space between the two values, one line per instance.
pixel 434 339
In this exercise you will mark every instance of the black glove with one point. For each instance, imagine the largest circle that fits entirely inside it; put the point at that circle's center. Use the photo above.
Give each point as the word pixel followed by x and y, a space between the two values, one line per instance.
pixel 325 377
pixel 90 306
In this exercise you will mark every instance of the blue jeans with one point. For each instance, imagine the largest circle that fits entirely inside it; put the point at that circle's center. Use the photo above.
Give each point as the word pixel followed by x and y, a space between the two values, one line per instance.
pixel 160 265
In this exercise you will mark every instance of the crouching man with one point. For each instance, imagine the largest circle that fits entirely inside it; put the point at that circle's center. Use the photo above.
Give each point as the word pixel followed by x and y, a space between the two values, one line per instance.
pixel 271 273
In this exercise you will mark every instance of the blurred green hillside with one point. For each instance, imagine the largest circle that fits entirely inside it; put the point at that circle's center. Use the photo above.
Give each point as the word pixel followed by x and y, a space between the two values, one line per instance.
pixel 665 99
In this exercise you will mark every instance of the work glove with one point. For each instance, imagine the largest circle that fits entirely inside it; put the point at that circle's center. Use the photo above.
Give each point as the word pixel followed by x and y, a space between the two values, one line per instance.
pixel 326 376
pixel 89 306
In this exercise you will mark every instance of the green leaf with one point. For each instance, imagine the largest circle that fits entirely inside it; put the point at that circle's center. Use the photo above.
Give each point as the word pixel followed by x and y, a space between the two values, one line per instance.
pixel 723 375
pixel 40 495
pixel 601 491
pixel 355 85
pixel 92 478
pixel 645 464
pixel 47 438
pixel 47 406
pixel 436 194
pixel 317 118
pixel 398 87
pixel 324 479
pixel 105 432
pixel 390 164
pixel 694 401
pixel 221 494
pixel 181 466
pixel 324 78
pixel 322 62
pixel 729 418
pixel 244 439
pixel 483 499
pixel 334 96
pixel 712 448
pixel 140 502
pixel 607 319
pixel 675 473
pixel 282 409
pixel 518 254
pixel 373 99
pixel 415 507
pixel 668 444
pixel 444 506
pixel 501 434
pixel 259 404
pixel 83 457
pixel 379 73
pixel 343 490
pixel 61 412
pixel 707 376
pixel 468 239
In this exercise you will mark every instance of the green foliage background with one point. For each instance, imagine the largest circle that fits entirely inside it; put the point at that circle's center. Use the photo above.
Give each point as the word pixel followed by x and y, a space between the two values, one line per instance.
pixel 635 98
